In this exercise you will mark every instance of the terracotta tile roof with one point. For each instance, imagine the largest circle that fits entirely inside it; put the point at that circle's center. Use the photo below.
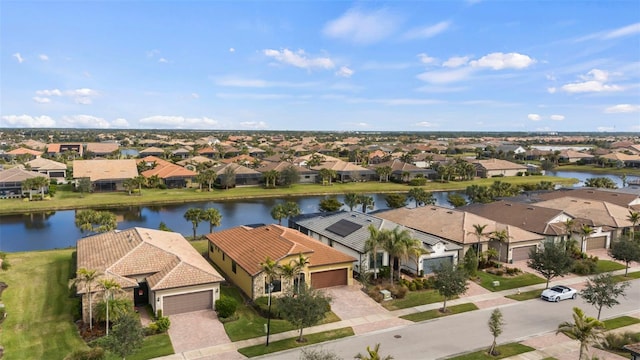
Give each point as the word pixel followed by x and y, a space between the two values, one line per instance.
pixel 617 156
pixel 249 247
pixel 166 258
pixel 165 169
pixel 18 174
pixel 22 151
pixel 102 148
pixel 105 169
pixel 46 164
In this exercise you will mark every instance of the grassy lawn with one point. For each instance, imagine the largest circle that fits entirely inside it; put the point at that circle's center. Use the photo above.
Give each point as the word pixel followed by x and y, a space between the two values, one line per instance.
pixel 505 350
pixel 598 169
pixel 528 295
pixel 154 346
pixel 39 323
pixel 286 344
pixel 508 282
pixel 433 314
pixel 71 200
pixel 620 321
pixel 608 265
pixel 630 276
pixel 202 246
pixel 250 324
pixel 413 298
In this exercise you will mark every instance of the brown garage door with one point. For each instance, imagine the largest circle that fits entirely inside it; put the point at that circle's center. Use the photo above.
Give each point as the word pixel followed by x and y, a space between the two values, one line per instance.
pixel 182 303
pixel 323 279
pixel 596 242
pixel 522 253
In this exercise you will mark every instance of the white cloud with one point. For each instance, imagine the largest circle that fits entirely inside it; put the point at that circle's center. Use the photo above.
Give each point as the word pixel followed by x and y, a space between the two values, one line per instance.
pixel 594 81
pixel 622 108
pixel 557 117
pixel 82 96
pixel 456 61
pixel 299 59
pixel 43 57
pixel 84 121
pixel 195 95
pixel 259 83
pixel 362 27
pixel 253 96
pixel 623 31
pixel 120 123
pixel 428 31
pixel 344 72
pixel 445 76
pixel 54 92
pixel 552 90
pixel 179 122
pixel 253 125
pixel 425 124
pixel 426 59
pixel 41 100
pixel 232 50
pixel 18 57
pixel 534 117
pixel 163 60
pixel 27 121
pixel 499 61
pixel 606 128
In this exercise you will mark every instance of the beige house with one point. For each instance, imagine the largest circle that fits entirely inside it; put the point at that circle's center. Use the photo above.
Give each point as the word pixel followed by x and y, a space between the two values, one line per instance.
pixel 11 181
pixel 153 267
pixel 240 251
pixel 105 175
pixel 52 169
pixel 497 167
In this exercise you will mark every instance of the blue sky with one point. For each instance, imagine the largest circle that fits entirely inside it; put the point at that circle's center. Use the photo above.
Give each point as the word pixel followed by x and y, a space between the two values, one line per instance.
pixel 322 65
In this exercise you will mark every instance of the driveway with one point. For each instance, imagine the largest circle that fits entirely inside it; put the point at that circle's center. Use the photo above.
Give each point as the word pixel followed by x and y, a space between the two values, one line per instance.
pixel 195 330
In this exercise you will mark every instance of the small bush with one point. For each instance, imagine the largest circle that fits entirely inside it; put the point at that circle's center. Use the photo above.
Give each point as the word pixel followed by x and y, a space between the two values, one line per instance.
pixel 97 353
pixel 261 305
pixel 412 286
pixel 374 293
pixel 585 266
pixel 163 324
pixel 151 329
pixel 419 284
pixel 429 283
pixel 616 341
pixel 418 182
pixel 398 292
pixel 159 314
pixel 226 307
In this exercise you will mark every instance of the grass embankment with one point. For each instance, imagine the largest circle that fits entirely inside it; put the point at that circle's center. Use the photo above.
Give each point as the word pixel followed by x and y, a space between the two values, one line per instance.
pixel 436 313
pixel 620 321
pixel 508 282
pixel 608 266
pixel 64 199
pixel 292 343
pixel 154 346
pixel 505 351
pixel 598 169
pixel 630 276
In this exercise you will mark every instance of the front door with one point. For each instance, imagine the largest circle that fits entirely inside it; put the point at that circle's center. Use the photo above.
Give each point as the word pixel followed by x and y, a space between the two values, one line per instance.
pixel 141 294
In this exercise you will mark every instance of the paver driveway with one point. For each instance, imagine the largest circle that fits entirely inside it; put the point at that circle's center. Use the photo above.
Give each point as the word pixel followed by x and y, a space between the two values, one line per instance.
pixel 195 330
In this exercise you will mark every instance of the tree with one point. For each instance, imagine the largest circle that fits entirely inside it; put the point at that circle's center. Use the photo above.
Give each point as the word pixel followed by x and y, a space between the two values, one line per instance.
pixel 304 309
pixel 289 175
pixel 139 181
pixel 95 221
pixel 449 281
pixel 213 217
pixel 395 201
pixel 278 212
pixel 300 263
pixel 585 231
pixel 495 327
pixel 228 178
pixel 626 250
pixel 327 176
pixel 585 329
pixel 399 245
pixel 271 269
pixel 330 204
pixel 351 200
pixel 421 197
pixel 478 231
pixel 501 236
pixel 85 279
pixel 270 178
pixel 600 182
pixel 84 186
pixel 603 291
pixel 194 215
pixel 373 354
pixel 384 172
pixel 129 185
pixel 110 288
pixel 366 201
pixel 471 262
pixel 634 218
pixel 127 336
pixel 373 244
pixel 456 200
pixel 554 260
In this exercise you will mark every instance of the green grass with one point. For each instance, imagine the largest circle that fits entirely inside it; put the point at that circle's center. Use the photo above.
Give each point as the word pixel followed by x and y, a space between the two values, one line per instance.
pixel 251 325
pixel 527 295
pixel 508 282
pixel 620 321
pixel 436 313
pixel 597 169
pixel 71 200
pixel 154 346
pixel 630 276
pixel 202 246
pixel 505 350
pixel 413 298
pixel 608 265
pixel 292 343
pixel 39 323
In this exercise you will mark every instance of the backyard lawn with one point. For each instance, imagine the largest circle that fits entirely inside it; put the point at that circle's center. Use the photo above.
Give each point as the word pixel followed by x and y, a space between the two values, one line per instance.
pixel 508 282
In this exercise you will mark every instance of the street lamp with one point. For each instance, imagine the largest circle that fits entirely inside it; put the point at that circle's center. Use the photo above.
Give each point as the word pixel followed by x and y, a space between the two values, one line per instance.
pixel 269 315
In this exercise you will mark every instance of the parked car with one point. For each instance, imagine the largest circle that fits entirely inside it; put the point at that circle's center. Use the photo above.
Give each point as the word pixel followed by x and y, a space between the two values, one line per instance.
pixel 559 292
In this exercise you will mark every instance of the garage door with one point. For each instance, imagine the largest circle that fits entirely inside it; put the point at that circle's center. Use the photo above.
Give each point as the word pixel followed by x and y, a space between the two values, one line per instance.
pixel 596 242
pixel 429 265
pixel 522 253
pixel 329 278
pixel 177 304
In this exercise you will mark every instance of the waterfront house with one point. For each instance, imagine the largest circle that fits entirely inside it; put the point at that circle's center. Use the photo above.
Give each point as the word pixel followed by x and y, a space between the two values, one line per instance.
pixel 105 175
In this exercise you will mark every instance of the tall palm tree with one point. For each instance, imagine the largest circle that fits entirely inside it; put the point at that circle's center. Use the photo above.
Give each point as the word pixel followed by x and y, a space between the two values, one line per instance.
pixel 373 244
pixel 501 236
pixel 288 272
pixel 140 181
pixel 110 288
pixel 213 217
pixel 634 218
pixel 395 245
pixel 351 200
pixel 327 175
pixel 585 329
pixel 366 201
pixel 585 231
pixel 86 278
pixel 278 212
pixel 407 245
pixel 478 231
pixel 194 215
pixel 300 263
pixel 270 177
pixel 271 270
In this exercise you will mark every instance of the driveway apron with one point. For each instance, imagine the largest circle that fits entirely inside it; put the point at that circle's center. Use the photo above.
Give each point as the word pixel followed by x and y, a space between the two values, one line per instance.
pixel 195 330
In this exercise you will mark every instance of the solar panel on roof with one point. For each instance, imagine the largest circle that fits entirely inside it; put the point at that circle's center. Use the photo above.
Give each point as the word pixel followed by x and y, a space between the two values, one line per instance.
pixel 343 227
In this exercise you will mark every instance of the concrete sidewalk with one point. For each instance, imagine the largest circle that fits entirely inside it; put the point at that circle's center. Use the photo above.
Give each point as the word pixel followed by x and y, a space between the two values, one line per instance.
pixel 487 298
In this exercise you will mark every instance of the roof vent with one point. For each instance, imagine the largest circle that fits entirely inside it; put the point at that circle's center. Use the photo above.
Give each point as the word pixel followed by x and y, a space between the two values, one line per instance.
pixel 449 212
pixel 529 208
pixel 507 204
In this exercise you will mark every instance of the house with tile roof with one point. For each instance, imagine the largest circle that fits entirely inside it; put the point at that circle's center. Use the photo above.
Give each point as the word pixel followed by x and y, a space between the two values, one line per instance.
pixel 348 232
pixel 102 150
pixel 24 152
pixel 402 171
pixel 11 181
pixel 171 175
pixel 457 227
pixel 154 267
pixel 151 151
pixel 70 150
pixel 305 175
pixel 105 175
pixel 240 251
pixel 52 169
pixel 497 167
pixel 243 175
pixel 614 196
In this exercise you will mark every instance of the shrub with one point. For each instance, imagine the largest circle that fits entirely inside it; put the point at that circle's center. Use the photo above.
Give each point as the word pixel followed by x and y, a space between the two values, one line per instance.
pixel 584 266
pixel 418 182
pixel 163 324
pixel 374 293
pixel 418 283
pixel 429 283
pixel 616 341
pixel 261 305
pixel 412 286
pixel 499 272
pixel 151 329
pixel 97 353
pixel 226 307
pixel 159 314
pixel 398 292
pixel 385 271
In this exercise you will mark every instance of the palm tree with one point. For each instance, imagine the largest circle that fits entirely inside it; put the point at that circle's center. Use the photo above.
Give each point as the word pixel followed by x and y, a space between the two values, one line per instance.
pixel 407 245
pixel 634 218
pixel 278 212
pixel 366 201
pixel 327 175
pixel 194 215
pixel 501 236
pixel 270 177
pixel 384 172
pixel 373 354
pixel 139 181
pixel 86 279
pixel 479 233
pixel 373 244
pixel 40 183
pixel 585 329
pixel 351 200
pixel 569 225
pixel 212 215
pixel 395 244
pixel 110 288
pixel 27 185
pixel 585 231
pixel 129 185
pixel 300 264
pixel 271 269
pixel 288 272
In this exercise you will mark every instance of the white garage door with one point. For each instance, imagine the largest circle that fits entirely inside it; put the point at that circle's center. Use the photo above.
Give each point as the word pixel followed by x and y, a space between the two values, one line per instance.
pixel 182 303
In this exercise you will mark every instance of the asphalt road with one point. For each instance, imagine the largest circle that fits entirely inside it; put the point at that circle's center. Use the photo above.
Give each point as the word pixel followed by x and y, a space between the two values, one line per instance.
pixel 441 338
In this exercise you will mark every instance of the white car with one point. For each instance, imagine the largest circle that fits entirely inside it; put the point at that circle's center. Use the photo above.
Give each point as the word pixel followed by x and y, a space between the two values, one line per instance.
pixel 559 292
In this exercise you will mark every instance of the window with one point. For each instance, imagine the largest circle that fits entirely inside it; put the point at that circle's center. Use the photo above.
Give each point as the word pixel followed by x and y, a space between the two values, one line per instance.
pixel 378 261
pixel 211 247
pixel 223 259
pixel 277 286
pixel 233 266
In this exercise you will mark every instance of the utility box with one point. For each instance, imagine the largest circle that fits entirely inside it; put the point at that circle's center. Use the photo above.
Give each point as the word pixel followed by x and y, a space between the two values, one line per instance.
pixel 386 295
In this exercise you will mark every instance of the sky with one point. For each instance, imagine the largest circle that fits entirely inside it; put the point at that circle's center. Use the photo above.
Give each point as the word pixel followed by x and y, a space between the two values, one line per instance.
pixel 538 66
